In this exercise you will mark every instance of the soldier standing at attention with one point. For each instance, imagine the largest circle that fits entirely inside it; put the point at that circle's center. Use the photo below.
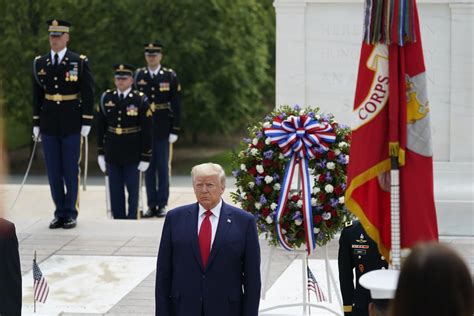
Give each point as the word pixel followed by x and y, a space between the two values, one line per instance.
pixel 162 88
pixel 124 140
pixel 356 251
pixel 63 97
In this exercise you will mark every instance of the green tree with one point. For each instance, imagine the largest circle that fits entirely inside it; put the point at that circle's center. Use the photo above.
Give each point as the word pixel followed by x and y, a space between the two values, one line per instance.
pixel 223 51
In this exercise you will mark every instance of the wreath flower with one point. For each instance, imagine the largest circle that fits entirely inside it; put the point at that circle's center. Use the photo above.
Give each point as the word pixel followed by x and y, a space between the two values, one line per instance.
pixel 261 168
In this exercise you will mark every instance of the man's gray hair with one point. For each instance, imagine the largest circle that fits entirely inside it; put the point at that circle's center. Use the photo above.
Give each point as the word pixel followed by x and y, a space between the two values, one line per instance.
pixel 209 169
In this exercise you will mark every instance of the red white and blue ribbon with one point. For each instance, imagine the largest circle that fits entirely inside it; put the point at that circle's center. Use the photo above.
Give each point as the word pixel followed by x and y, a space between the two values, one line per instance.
pixel 300 138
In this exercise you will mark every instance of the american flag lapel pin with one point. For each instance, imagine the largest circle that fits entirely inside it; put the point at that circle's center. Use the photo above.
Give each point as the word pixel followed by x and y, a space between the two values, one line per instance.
pixel 229 221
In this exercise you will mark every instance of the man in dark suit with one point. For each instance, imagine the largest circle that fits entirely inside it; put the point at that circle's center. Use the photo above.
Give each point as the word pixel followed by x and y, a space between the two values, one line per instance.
pixel 63 97
pixel 209 256
pixel 161 86
pixel 10 271
pixel 356 251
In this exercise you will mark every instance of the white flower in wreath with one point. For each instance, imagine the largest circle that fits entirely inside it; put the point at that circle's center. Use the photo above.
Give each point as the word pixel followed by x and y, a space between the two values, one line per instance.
pixel 331 165
pixel 255 141
pixel 341 200
pixel 337 152
pixel 347 158
pixel 283 231
pixel 317 116
pixel 329 188
pixel 314 202
pixel 251 184
pixel 243 167
pixel 259 168
pixel 281 156
pixel 316 230
pixel 301 112
pixel 273 206
pixel 268 179
pixel 316 177
pixel 298 222
pixel 316 190
pixel 342 145
pixel 267 124
pixel 277 187
pixel 243 195
pixel 299 203
pixel 258 205
pixel 326 216
pixel 254 152
pixel 268 141
pixel 269 219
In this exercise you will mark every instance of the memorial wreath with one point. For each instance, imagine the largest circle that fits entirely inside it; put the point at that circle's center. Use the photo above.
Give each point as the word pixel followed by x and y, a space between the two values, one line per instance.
pixel 289 141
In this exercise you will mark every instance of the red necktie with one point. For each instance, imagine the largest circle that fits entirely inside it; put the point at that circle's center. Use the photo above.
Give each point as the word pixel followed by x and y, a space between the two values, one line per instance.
pixel 205 236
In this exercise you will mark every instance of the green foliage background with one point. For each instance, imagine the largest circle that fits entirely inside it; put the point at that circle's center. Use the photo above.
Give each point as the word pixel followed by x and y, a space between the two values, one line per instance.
pixel 223 52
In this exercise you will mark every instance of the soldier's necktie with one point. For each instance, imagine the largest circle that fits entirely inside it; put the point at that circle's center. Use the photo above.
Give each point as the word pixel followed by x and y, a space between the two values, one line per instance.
pixel 56 59
pixel 121 96
pixel 205 236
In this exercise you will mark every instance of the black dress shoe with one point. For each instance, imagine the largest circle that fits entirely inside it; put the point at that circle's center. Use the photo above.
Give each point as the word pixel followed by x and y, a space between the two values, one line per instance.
pixel 56 223
pixel 161 212
pixel 149 212
pixel 69 223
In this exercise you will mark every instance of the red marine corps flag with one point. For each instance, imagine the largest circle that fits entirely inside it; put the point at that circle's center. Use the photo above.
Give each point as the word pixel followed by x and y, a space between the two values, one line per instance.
pixel 392 127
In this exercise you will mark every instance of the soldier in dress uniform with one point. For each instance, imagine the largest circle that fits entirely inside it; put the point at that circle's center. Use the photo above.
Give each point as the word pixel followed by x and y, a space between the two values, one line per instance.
pixel 124 140
pixel 63 97
pixel 162 88
pixel 356 251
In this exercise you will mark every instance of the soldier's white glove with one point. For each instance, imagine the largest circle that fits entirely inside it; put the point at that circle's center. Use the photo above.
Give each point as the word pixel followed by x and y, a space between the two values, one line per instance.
pixel 36 134
pixel 172 138
pixel 85 130
pixel 143 166
pixel 102 165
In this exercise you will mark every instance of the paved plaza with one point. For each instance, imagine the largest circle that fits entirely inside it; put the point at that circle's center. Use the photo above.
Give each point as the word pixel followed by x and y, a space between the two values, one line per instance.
pixel 107 267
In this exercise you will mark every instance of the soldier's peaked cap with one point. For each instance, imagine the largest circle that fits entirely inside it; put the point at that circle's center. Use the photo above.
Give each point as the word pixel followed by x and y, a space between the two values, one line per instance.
pixel 123 70
pixel 58 27
pixel 381 283
pixel 153 47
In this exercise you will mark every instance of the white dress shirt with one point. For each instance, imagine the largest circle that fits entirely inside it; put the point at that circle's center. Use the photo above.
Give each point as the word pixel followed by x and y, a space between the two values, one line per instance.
pixel 214 218
pixel 61 54
pixel 125 93
pixel 154 72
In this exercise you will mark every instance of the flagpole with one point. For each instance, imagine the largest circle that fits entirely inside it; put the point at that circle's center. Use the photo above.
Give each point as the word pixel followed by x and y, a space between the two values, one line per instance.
pixel 395 213
pixel 309 294
pixel 305 279
pixel 34 297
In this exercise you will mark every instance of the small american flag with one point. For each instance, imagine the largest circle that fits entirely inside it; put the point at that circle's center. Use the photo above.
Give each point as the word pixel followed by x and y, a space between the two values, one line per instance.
pixel 313 285
pixel 40 286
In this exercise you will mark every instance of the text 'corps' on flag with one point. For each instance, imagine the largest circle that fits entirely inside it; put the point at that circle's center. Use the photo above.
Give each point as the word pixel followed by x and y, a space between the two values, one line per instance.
pixel 392 119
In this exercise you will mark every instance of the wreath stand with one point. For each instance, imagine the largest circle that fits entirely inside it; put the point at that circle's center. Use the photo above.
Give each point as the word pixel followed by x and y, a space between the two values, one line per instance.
pixel 305 304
